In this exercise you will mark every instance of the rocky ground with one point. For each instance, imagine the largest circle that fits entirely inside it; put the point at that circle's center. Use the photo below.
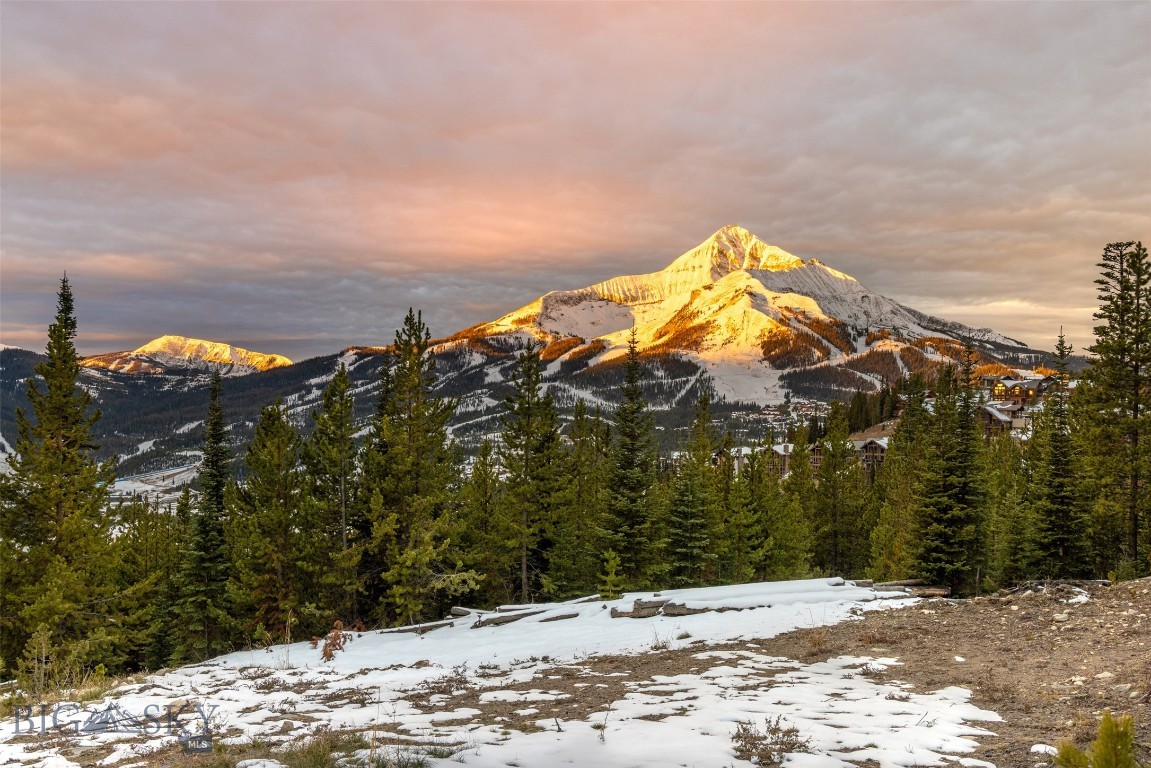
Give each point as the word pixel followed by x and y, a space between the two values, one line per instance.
pixel 1047 660
pixel 1049 666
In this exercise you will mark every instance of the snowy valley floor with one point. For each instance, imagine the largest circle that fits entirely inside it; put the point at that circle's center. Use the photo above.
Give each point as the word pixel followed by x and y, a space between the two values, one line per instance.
pixel 924 682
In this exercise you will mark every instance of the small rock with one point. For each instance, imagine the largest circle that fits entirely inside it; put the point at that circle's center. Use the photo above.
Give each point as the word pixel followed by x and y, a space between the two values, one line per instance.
pixel 1044 749
pixel 1015 607
pixel 1105 676
pixel 1060 617
pixel 1135 694
pixel 1122 687
pixel 960 659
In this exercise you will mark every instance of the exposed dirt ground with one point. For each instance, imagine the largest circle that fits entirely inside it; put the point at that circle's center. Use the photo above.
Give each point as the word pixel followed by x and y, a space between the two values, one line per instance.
pixel 1047 666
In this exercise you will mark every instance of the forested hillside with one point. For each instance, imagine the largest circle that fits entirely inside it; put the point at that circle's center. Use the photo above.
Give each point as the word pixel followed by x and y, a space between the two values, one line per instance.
pixel 390 528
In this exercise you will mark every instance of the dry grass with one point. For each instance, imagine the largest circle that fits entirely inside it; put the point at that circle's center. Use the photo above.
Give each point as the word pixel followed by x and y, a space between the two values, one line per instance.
pixel 769 746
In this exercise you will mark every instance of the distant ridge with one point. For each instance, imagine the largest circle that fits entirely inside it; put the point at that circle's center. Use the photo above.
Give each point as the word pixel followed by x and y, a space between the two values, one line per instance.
pixel 179 354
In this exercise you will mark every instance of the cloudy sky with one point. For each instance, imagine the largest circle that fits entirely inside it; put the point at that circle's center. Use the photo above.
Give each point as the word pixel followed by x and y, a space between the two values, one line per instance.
pixel 290 177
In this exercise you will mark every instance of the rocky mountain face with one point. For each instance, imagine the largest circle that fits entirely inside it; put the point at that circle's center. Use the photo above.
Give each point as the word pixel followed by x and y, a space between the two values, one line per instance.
pixel 176 354
pixel 754 319
pixel 750 323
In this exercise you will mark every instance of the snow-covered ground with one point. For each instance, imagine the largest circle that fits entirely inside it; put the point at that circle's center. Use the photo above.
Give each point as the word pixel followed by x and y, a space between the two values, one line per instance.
pixel 434 688
pixel 164 486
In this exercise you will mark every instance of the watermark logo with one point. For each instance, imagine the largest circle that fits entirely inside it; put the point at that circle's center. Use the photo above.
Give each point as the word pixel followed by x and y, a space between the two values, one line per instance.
pixel 190 722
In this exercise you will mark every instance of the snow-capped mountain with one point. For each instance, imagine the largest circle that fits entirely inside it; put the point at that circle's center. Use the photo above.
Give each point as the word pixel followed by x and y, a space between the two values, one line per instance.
pixel 175 354
pixel 766 333
pixel 747 313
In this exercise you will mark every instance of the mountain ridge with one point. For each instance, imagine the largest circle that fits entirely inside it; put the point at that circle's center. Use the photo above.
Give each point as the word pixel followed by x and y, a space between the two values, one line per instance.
pixel 174 354
pixel 768 336
pixel 745 310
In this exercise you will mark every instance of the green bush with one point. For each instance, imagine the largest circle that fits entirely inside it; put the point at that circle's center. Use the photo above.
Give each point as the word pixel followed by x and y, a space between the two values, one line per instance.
pixel 1114 747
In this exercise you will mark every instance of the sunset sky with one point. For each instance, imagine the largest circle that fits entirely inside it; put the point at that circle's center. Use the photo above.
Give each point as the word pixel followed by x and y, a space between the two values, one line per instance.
pixel 291 177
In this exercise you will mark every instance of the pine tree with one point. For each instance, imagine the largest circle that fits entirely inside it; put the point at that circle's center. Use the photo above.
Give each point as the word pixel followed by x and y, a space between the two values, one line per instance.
pixel 574 560
pixel 536 470
pixel 329 456
pixel 898 489
pixel 628 530
pixel 1014 541
pixel 1119 382
pixel 839 529
pixel 746 543
pixel 484 534
pixel 799 484
pixel 1114 747
pixel 409 474
pixel 786 538
pixel 275 538
pixel 1057 501
pixel 950 516
pixel 58 565
pixel 610 585
pixel 179 524
pixel 147 543
pixel 202 609
pixel 693 505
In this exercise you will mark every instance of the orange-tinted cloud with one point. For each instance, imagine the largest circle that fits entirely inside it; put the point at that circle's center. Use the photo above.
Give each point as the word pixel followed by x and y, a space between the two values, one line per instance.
pixel 310 170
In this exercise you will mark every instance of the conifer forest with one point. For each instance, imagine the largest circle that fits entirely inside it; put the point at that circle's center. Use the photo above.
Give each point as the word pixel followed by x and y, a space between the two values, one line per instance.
pixel 388 523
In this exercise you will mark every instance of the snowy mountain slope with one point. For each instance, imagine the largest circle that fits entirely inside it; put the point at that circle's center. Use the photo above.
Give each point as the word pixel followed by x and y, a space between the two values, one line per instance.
pixel 548 689
pixel 742 310
pixel 174 354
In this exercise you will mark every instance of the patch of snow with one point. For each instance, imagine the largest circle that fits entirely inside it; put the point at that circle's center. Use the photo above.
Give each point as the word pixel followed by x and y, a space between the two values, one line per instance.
pixel 683 719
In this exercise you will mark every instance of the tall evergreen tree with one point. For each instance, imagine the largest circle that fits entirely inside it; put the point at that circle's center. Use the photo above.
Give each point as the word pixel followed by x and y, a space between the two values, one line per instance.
pixel 178 521
pixel 57 561
pixel 329 456
pixel 202 609
pixel 840 530
pixel 952 507
pixel 575 558
pixel 628 530
pixel 786 538
pixel 1013 533
pixel 277 546
pixel 799 483
pixel 536 470
pixel 1057 500
pixel 409 474
pixel 693 505
pixel 147 542
pixel 485 533
pixel 745 544
pixel 1119 383
pixel 898 489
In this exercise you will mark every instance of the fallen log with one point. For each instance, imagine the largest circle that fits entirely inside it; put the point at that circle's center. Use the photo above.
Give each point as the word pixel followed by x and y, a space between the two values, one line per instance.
pixel 560 617
pixel 678 609
pixel 635 613
pixel 420 629
pixel 498 619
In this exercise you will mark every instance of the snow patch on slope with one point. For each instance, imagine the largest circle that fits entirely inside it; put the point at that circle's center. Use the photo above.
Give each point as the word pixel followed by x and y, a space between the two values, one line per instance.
pixel 380 683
